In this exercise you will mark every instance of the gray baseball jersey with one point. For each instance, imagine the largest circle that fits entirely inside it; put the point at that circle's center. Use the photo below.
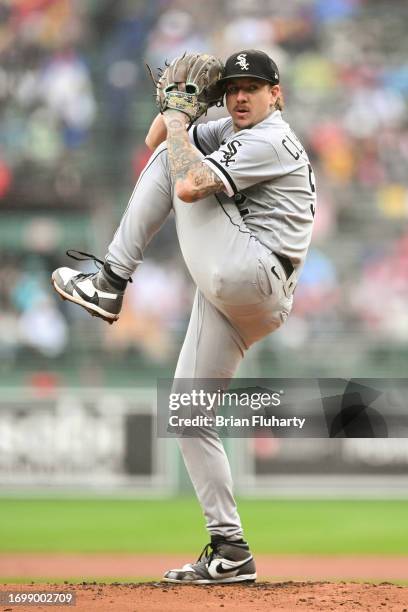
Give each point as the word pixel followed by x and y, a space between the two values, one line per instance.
pixel 242 294
pixel 267 172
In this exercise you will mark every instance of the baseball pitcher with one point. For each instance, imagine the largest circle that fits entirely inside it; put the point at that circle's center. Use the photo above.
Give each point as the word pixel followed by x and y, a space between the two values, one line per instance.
pixel 243 194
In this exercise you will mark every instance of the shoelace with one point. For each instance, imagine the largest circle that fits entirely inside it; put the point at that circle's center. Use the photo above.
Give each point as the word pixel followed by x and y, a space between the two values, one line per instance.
pixel 206 555
pixel 86 257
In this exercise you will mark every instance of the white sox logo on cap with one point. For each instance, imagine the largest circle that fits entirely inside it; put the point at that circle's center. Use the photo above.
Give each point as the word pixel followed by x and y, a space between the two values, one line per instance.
pixel 242 62
pixel 250 63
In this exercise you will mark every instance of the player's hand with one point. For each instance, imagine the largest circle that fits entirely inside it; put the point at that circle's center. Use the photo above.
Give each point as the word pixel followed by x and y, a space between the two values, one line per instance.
pixel 189 85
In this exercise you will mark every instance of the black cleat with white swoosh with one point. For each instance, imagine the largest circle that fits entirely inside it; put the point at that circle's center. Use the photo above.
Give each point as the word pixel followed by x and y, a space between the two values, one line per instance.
pixel 221 562
pixel 100 293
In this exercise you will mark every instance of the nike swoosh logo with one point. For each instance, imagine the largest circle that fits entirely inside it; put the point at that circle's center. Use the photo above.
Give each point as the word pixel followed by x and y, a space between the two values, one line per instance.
pixel 273 270
pixel 94 299
pixel 220 569
pixel 231 568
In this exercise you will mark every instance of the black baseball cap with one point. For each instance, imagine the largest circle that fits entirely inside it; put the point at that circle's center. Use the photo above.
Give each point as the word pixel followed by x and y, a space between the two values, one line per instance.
pixel 250 63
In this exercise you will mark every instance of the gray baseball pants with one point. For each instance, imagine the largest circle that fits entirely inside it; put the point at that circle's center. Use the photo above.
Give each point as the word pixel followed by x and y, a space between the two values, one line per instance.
pixel 238 301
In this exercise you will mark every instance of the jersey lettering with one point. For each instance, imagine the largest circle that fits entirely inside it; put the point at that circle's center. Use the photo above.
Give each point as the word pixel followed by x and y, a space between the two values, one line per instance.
pixel 293 146
pixel 228 156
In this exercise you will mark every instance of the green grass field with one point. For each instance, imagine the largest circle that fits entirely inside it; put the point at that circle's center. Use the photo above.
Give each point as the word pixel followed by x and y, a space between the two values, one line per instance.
pixel 176 525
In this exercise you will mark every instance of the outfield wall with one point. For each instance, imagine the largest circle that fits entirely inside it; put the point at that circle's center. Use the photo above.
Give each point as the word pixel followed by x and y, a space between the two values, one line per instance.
pixel 103 441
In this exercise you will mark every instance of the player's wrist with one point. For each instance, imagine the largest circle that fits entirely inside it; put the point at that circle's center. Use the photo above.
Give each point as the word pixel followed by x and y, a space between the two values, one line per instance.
pixel 176 119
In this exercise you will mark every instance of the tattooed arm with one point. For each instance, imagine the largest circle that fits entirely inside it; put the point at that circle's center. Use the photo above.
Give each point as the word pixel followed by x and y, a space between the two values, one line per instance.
pixel 193 179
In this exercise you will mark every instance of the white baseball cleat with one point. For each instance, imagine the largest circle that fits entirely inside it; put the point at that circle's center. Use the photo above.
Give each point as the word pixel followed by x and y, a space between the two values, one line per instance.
pixel 100 293
pixel 221 562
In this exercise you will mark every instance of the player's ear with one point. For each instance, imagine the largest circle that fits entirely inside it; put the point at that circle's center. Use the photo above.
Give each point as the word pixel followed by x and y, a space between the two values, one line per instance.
pixel 276 95
pixel 275 90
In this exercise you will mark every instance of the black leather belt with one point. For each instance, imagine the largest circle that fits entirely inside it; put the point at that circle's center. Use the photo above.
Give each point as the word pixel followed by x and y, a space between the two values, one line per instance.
pixel 286 264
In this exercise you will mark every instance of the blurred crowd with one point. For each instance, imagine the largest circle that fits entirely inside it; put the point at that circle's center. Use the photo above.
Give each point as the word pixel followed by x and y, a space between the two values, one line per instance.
pixel 76 101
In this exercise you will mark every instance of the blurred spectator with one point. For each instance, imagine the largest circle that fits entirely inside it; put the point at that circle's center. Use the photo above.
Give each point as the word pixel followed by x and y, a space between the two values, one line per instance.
pixel 126 25
pixel 42 328
pixel 66 88
pixel 30 317
pixel 175 33
pixel 380 298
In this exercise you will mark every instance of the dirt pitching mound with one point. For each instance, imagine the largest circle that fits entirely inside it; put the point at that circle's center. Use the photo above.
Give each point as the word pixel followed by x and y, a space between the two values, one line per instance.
pixel 163 597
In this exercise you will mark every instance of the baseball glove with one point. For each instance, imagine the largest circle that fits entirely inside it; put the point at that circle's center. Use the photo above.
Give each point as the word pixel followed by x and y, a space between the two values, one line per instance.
pixel 189 84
